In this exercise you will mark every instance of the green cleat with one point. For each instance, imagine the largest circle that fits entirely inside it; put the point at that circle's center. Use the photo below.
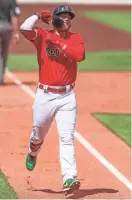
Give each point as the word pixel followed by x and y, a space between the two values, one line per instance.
pixel 71 185
pixel 30 162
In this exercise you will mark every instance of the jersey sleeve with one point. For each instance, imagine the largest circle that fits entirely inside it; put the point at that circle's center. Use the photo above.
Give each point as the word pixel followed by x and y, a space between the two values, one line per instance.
pixel 77 50
pixel 35 35
pixel 15 10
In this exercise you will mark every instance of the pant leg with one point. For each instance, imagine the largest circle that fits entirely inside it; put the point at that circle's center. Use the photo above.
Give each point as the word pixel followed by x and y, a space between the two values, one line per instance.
pixel 43 114
pixel 1 59
pixel 66 119
pixel 4 45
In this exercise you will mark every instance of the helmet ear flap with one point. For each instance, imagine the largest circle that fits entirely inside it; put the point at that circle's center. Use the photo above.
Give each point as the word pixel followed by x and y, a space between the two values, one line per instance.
pixel 57 22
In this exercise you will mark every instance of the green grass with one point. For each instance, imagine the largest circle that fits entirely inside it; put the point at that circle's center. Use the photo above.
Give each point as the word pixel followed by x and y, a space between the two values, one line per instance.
pixel 6 191
pixel 24 62
pixel 99 61
pixel 119 20
pixel 119 124
pixel 107 61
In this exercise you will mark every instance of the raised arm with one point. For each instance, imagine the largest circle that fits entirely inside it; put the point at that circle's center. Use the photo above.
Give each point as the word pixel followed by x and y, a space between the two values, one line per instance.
pixel 28 28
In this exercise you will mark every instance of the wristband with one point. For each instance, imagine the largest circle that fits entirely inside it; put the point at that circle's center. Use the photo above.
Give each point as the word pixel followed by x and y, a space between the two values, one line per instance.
pixel 37 15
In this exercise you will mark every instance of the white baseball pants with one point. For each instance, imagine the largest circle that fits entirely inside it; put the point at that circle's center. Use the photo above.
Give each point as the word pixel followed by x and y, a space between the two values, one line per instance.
pixel 62 107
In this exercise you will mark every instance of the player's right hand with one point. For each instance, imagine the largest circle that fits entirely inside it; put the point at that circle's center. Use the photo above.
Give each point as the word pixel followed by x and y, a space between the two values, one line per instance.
pixel 16 38
pixel 45 16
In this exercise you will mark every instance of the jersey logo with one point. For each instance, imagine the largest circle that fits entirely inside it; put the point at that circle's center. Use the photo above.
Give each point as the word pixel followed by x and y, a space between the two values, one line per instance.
pixel 52 52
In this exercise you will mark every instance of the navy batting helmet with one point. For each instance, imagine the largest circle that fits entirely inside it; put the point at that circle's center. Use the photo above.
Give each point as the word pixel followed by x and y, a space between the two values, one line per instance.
pixel 63 9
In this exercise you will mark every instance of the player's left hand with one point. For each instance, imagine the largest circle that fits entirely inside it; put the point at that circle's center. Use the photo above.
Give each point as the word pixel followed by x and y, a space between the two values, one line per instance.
pixel 59 44
pixel 50 40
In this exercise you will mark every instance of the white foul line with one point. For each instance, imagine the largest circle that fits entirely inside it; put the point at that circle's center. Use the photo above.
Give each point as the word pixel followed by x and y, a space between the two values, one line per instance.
pixel 103 160
pixel 20 84
pixel 80 138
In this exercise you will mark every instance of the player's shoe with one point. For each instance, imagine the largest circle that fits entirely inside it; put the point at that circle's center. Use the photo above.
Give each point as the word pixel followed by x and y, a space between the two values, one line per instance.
pixel 30 162
pixel 71 185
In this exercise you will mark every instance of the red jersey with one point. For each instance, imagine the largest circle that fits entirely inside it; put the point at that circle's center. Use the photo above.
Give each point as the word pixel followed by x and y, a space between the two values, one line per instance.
pixel 57 67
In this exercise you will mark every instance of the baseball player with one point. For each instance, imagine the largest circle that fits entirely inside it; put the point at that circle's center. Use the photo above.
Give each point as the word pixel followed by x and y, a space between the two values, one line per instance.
pixel 9 12
pixel 58 51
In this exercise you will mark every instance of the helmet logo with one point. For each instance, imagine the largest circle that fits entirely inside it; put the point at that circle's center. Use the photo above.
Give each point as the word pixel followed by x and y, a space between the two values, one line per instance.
pixel 65 8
